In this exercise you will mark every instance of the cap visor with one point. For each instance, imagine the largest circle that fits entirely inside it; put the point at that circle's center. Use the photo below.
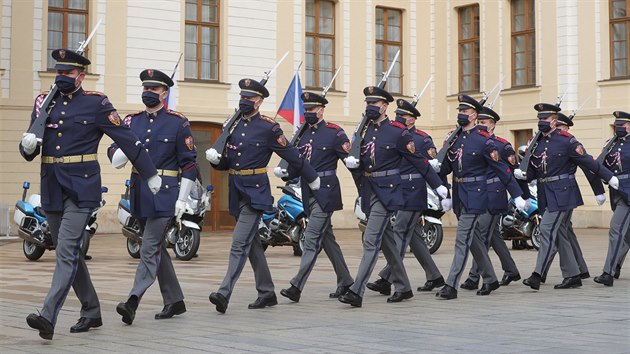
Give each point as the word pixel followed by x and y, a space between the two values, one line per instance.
pixel 248 94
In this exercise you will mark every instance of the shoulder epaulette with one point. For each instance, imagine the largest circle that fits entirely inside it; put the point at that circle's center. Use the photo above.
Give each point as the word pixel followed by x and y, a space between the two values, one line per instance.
pixel 134 114
pixel 333 126
pixel 93 93
pixel 397 124
pixel 567 134
pixel 421 133
pixel 483 133
pixel 175 113
pixel 501 140
pixel 267 119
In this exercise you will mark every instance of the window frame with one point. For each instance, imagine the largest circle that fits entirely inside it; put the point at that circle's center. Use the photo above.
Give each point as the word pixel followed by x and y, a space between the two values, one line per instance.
pixel 611 22
pixel 65 11
pixel 530 35
pixel 316 36
pixel 386 43
pixel 460 42
pixel 199 26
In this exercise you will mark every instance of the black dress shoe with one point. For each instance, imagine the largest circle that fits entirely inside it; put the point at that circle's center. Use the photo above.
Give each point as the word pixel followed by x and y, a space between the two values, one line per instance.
pixel 46 329
pixel 507 279
pixel 486 289
pixel 350 297
pixel 382 286
pixel 469 285
pixel 263 302
pixel 605 279
pixel 87 257
pixel 533 281
pixel 171 310
pixel 127 311
pixel 292 293
pixel 84 324
pixel 569 283
pixel 400 296
pixel 432 284
pixel 617 271
pixel 447 292
pixel 585 275
pixel 339 291
pixel 220 302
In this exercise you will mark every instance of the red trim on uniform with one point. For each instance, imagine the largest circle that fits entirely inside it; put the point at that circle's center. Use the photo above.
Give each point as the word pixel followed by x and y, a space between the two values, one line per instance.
pixel 562 132
pixel 483 133
pixel 397 124
pixel 420 132
pixel 333 125
pixel 501 140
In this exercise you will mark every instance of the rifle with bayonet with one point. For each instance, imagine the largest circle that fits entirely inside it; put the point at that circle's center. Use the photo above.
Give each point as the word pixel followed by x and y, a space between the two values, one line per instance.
pixel 302 129
pixel 231 123
pixel 357 137
pixel 452 137
pixel 176 65
pixel 39 124
pixel 416 98
pixel 534 142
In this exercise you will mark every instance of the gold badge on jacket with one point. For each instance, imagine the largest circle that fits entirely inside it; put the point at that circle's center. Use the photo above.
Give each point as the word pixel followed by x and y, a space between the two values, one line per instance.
pixel 282 140
pixel 411 147
pixel 114 118
pixel 580 150
pixel 494 155
pixel 346 146
pixel 189 142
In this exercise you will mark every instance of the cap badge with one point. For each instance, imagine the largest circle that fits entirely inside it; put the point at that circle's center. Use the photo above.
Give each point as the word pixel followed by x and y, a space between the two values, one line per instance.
pixel 371 90
pixel 150 72
pixel 540 106
pixel 247 82
pixel 62 54
pixel 306 95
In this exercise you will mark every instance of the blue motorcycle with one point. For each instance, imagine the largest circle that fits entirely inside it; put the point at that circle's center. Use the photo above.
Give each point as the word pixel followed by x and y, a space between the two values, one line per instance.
pixel 521 226
pixel 33 227
pixel 286 223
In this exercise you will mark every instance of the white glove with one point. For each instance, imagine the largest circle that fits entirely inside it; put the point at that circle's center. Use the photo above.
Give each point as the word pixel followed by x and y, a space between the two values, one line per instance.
pixel 442 191
pixel 351 162
pixel 280 172
pixel 154 182
pixel 315 184
pixel 119 159
pixel 185 185
pixel 29 143
pixel 614 182
pixel 528 203
pixel 447 204
pixel 435 164
pixel 600 198
pixel 213 156
pixel 520 203
pixel 522 175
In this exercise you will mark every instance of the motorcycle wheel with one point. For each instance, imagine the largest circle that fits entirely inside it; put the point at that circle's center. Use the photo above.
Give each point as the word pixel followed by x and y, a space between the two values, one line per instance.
pixel 187 243
pixel 432 235
pixel 536 237
pixel 85 244
pixel 32 251
pixel 298 248
pixel 133 248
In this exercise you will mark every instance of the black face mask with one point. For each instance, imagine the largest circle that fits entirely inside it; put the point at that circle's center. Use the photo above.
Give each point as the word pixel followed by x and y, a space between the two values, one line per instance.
pixel 150 99
pixel 246 106
pixel 65 84
pixel 372 112
pixel 310 117
pixel 462 120
pixel 544 126
pixel 620 132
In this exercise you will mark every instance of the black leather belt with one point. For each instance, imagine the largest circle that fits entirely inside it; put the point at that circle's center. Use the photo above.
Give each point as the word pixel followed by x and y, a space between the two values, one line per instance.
pixel 327 173
pixel 556 178
pixel 469 179
pixel 382 173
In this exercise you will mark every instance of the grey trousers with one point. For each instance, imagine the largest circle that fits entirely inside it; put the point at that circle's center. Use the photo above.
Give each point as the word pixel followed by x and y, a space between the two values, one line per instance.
pixel 575 248
pixel 402 234
pixel 155 262
pixel 378 220
pixel 492 237
pixel 618 236
pixel 318 235
pixel 245 244
pixel 554 238
pixel 423 255
pixel 468 238
pixel 67 229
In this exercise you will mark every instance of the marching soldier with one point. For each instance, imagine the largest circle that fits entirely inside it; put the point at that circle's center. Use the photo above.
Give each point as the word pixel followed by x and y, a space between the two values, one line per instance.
pixel 617 160
pixel 71 182
pixel 414 188
pixel 322 145
pixel 384 144
pixel 469 158
pixel 554 161
pixel 246 156
pixel 167 137
pixel 497 206
pixel 565 123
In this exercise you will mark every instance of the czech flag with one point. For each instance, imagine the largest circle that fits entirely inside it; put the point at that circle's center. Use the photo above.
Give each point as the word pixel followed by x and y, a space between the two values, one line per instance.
pixel 171 99
pixel 292 107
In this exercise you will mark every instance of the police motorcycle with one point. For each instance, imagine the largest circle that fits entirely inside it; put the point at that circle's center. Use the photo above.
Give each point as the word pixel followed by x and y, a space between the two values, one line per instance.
pixel 430 221
pixel 34 230
pixel 286 223
pixel 184 238
pixel 521 226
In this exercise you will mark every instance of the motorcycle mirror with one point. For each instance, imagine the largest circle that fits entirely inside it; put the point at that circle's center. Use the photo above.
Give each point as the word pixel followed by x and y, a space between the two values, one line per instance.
pixel 26 185
pixel 210 188
pixel 104 189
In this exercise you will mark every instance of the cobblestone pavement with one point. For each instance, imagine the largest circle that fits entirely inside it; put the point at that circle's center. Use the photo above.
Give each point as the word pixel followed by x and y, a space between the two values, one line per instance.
pixel 592 319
